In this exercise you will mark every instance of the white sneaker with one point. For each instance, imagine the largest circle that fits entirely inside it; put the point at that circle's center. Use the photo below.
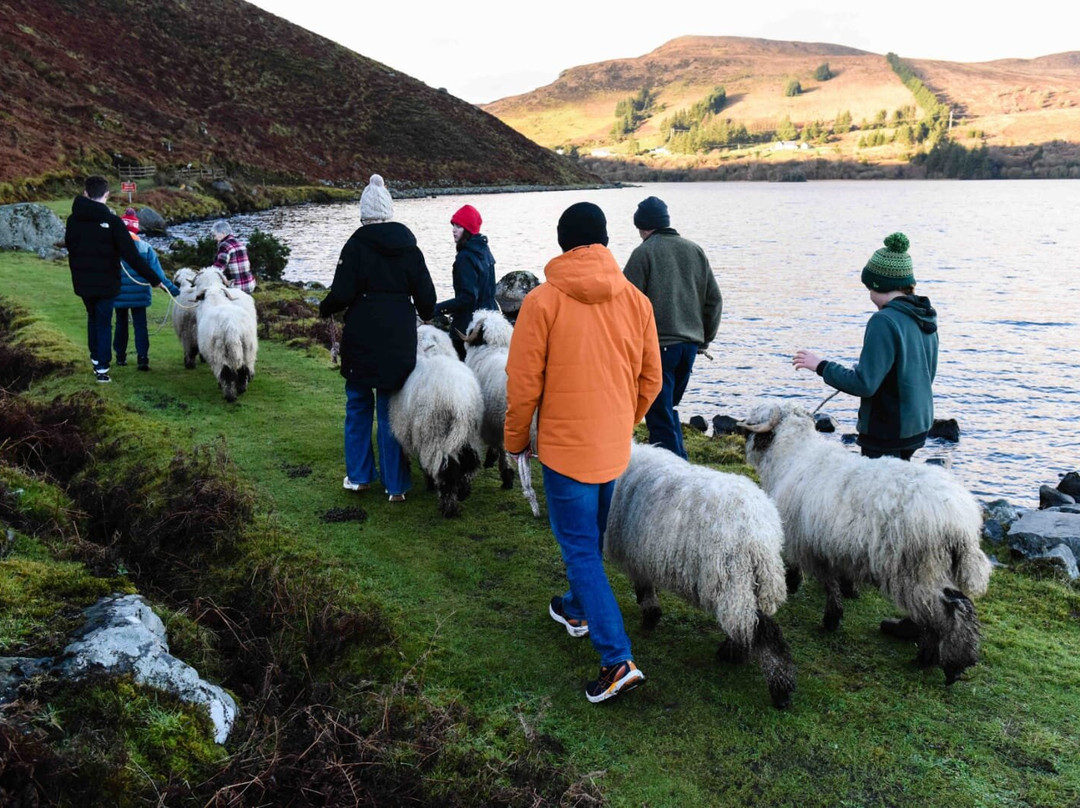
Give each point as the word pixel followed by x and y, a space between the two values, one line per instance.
pixel 349 485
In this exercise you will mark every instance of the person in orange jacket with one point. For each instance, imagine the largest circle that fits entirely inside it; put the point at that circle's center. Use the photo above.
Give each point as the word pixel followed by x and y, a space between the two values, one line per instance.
pixel 586 356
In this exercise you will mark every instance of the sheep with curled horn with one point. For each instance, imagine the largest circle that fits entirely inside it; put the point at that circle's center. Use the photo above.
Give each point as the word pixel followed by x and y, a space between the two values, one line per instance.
pixel 908 528
pixel 436 416
pixel 227 332
pixel 487 345
pixel 713 538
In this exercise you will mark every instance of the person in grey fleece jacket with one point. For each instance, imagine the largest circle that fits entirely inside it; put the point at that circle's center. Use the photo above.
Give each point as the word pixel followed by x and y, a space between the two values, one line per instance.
pixel 895 373
pixel 674 273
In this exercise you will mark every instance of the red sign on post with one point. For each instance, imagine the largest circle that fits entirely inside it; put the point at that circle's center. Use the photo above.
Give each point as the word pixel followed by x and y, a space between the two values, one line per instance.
pixel 128 187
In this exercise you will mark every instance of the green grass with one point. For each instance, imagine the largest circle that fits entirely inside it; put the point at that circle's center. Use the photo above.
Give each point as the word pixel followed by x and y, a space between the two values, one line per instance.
pixel 466 600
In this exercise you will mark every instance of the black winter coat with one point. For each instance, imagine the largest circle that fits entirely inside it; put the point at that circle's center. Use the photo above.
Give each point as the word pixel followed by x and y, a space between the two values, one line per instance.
pixel 96 240
pixel 383 283
pixel 474 283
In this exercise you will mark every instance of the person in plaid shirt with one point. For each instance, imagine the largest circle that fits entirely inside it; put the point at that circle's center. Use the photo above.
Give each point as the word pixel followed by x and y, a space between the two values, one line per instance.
pixel 232 258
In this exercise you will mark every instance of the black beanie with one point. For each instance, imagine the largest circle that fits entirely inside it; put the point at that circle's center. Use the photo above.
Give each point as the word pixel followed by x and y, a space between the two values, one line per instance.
pixel 581 224
pixel 651 214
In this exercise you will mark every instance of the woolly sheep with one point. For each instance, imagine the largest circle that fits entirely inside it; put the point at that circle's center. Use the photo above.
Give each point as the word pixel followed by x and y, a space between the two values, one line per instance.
pixel 227 333
pixel 713 538
pixel 436 416
pixel 184 316
pixel 487 345
pixel 909 528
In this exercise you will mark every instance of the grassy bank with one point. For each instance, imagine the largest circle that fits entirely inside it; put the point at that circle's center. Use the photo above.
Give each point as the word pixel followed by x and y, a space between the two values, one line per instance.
pixel 421 648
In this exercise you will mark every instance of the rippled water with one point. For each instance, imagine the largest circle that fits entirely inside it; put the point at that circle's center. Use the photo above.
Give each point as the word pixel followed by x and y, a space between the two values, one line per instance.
pixel 999 260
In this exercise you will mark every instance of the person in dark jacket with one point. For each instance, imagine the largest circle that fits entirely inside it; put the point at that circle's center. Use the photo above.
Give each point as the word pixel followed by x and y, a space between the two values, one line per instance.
pixel 134 298
pixel 96 240
pixel 474 275
pixel 896 369
pixel 382 283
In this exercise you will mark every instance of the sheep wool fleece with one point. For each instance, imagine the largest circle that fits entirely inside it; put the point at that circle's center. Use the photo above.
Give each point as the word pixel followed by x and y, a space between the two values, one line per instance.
pixel 585 353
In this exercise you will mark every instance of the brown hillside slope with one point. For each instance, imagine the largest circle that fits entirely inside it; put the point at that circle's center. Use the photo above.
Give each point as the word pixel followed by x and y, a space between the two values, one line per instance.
pixel 1012 101
pixel 1015 101
pixel 221 82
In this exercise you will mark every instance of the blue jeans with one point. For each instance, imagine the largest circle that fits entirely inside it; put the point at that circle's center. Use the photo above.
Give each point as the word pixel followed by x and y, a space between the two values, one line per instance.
pixel 578 513
pixel 120 334
pixel 662 419
pixel 99 329
pixel 359 453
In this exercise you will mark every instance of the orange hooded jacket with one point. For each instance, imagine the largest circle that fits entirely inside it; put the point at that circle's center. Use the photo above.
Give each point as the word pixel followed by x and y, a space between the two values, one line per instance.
pixel 586 354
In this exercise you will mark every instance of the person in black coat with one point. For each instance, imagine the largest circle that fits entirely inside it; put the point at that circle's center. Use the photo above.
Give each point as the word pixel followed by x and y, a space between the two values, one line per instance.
pixel 96 240
pixel 382 283
pixel 474 275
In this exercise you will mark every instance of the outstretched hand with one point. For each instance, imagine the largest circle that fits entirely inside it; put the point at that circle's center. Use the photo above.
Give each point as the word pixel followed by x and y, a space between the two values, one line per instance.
pixel 805 360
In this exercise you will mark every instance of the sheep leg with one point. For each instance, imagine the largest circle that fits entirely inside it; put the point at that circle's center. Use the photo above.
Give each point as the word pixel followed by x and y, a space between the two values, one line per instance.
pixel 491 457
pixel 506 472
pixel 649 603
pixel 793 579
pixel 191 352
pixel 849 589
pixel 429 482
pixel 732 652
pixel 928 655
pixel 834 604
pixel 774 658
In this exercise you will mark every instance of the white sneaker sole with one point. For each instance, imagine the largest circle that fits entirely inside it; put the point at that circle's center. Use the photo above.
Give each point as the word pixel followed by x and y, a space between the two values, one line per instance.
pixel 627 683
pixel 573 631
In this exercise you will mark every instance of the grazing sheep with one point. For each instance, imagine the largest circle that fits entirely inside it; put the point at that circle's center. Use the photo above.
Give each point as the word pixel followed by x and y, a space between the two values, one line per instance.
pixel 714 539
pixel 184 316
pixel 487 344
pixel 908 528
pixel 437 415
pixel 227 333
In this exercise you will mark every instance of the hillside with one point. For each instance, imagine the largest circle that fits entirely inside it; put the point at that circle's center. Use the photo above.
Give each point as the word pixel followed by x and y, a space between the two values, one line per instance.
pixel 998 104
pixel 94 83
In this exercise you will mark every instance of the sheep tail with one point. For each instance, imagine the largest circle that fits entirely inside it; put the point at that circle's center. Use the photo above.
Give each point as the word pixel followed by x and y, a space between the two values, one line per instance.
pixel 770 581
pixel 970 568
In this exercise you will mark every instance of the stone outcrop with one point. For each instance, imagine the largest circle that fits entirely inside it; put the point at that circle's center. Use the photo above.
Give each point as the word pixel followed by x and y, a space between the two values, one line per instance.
pixel 33 227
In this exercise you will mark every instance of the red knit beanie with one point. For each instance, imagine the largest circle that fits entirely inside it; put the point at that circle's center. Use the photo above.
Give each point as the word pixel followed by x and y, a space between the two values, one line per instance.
pixel 467 217
pixel 131 220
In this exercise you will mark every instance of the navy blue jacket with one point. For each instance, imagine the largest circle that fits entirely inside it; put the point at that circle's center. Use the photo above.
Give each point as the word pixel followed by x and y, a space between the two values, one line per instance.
pixel 474 283
pixel 382 283
pixel 134 293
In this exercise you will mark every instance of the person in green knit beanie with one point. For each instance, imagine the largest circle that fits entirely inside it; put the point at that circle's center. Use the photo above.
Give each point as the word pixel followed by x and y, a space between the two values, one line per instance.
pixel 895 372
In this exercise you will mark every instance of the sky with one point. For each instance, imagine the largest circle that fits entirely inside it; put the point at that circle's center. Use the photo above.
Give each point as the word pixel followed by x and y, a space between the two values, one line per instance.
pixel 485 50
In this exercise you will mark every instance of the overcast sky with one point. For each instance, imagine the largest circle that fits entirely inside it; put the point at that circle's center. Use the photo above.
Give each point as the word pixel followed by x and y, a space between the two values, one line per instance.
pixel 488 49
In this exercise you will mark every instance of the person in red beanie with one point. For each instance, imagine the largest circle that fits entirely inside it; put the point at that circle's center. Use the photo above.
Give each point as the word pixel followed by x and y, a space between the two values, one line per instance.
pixel 474 275
pixel 134 297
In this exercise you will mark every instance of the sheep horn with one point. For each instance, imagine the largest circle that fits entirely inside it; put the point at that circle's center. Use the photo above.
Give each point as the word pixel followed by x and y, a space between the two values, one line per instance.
pixel 460 336
pixel 763 419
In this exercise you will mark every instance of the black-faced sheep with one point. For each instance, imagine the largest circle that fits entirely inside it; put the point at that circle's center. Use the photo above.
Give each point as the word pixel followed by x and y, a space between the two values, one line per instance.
pixel 714 539
pixel 436 416
pixel 487 344
pixel 227 332
pixel 184 315
pixel 908 528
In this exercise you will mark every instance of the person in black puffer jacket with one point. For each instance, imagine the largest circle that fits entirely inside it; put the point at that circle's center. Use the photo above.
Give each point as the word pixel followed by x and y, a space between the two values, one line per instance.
pixel 474 275
pixel 96 240
pixel 382 283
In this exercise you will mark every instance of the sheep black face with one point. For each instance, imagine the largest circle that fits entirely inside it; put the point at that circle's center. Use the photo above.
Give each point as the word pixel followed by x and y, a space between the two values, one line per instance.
pixel 958 646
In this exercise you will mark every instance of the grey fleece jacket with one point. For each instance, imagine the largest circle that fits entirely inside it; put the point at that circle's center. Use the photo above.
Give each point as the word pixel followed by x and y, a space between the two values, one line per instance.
pixel 675 275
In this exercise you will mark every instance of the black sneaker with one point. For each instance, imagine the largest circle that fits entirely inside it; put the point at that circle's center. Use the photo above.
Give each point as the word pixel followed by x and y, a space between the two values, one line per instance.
pixel 574 626
pixel 102 376
pixel 144 363
pixel 614 680
pixel 121 361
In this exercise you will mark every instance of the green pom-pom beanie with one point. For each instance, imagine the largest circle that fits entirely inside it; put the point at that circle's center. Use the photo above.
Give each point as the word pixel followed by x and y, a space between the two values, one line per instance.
pixel 890 267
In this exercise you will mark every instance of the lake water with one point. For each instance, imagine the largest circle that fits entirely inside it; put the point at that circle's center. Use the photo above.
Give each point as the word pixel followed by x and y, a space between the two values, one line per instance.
pixel 999 260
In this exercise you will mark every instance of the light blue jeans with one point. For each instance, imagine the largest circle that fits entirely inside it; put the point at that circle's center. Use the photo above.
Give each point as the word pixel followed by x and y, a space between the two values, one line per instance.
pixel 578 514
pixel 360 404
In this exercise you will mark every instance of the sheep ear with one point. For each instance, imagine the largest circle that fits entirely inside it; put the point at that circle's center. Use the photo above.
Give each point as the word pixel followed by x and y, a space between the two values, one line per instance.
pixel 200 296
pixel 762 419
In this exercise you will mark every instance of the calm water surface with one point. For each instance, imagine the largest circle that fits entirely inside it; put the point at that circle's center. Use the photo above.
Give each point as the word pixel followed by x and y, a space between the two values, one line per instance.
pixel 999 260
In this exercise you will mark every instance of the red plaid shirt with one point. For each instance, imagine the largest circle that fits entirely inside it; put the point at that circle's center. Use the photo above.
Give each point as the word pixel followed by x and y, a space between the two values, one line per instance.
pixel 232 259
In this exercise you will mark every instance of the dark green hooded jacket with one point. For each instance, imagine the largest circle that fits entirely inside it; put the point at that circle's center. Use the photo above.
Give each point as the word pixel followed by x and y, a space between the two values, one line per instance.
pixel 894 375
